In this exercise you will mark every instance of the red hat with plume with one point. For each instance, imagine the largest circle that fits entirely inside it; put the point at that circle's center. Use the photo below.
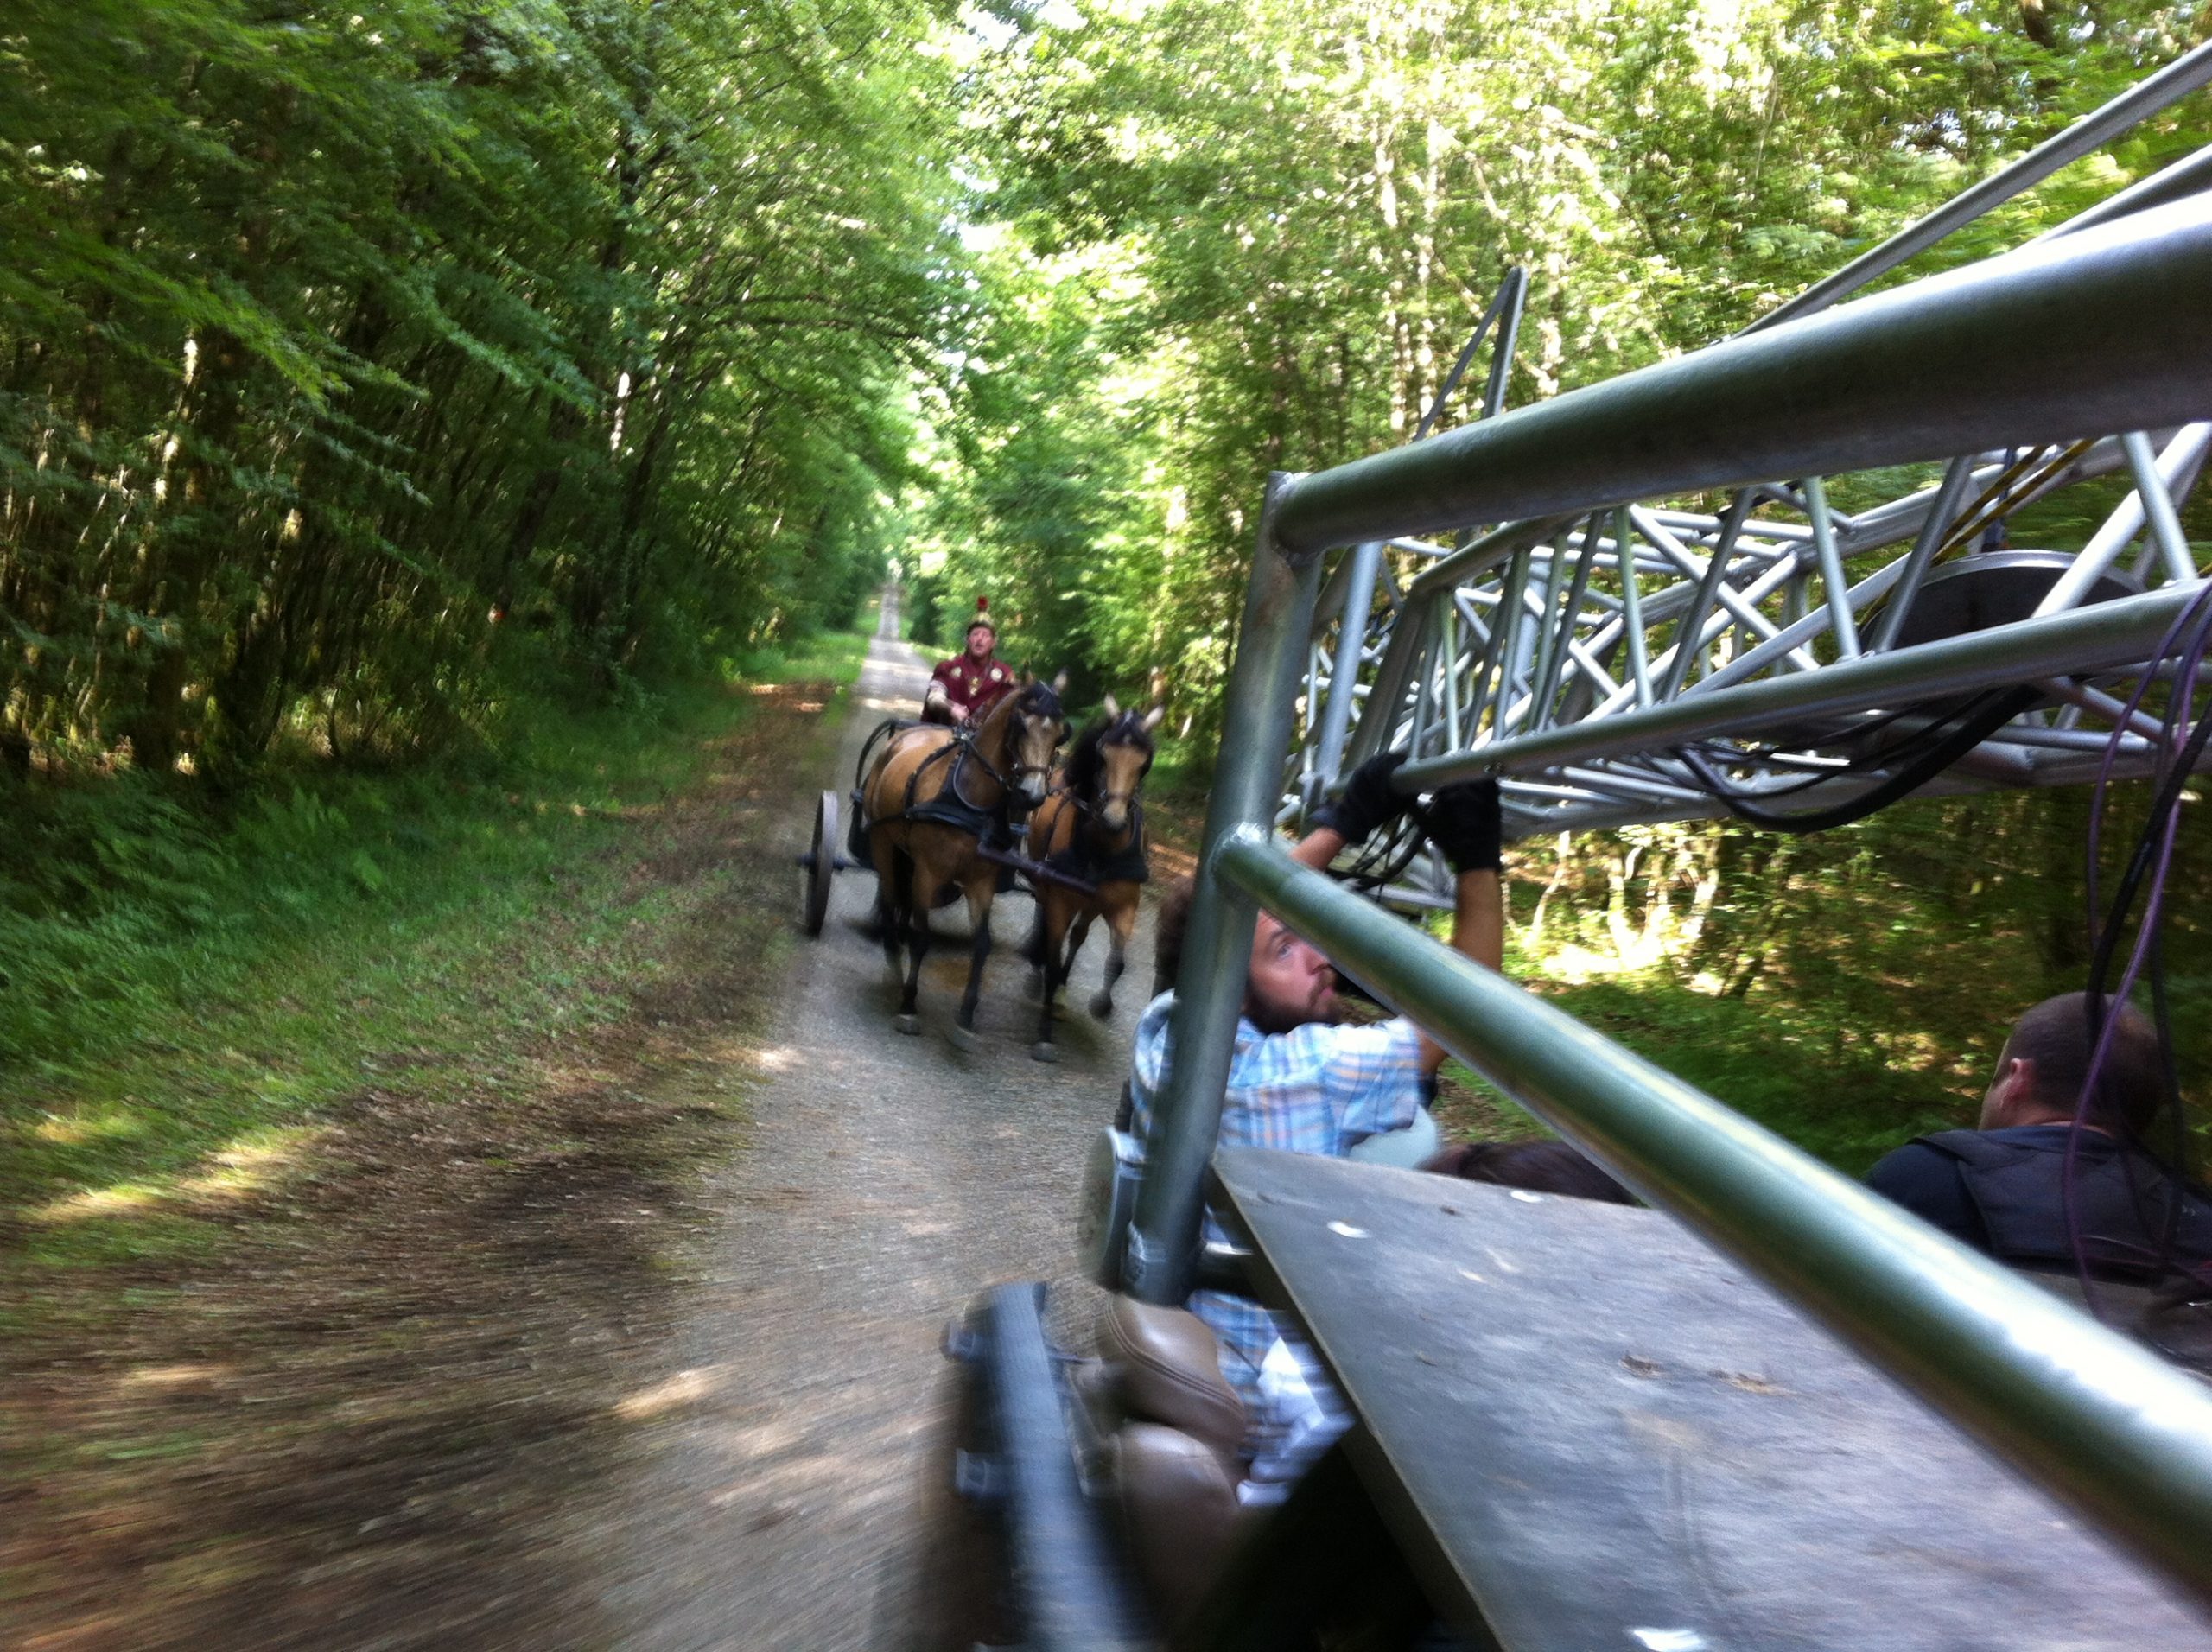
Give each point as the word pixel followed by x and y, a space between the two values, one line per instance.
pixel 983 616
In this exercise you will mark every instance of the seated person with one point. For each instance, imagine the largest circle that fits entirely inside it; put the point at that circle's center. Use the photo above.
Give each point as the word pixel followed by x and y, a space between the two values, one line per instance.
pixel 2001 1187
pixel 1299 1079
pixel 969 684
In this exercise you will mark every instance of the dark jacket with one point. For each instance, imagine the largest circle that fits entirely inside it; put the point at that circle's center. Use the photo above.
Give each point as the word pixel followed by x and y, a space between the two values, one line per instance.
pixel 2004 1192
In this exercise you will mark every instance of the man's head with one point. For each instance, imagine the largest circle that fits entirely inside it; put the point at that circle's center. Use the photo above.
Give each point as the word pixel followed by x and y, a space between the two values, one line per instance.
pixel 2045 1060
pixel 1290 982
pixel 983 638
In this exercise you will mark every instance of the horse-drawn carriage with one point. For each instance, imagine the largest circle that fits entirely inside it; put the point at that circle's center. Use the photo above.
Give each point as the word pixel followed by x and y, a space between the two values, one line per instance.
pixel 1772 1410
pixel 943 812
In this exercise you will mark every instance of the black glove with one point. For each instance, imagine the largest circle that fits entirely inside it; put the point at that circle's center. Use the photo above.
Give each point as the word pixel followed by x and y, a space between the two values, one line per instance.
pixel 1368 800
pixel 1463 820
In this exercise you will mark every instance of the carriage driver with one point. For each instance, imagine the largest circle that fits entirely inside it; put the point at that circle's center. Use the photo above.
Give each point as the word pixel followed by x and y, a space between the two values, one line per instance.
pixel 969 684
pixel 1303 1081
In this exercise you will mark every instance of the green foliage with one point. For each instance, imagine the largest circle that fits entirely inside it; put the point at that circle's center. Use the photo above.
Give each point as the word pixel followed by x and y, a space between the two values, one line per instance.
pixel 364 368
pixel 1224 241
pixel 1851 989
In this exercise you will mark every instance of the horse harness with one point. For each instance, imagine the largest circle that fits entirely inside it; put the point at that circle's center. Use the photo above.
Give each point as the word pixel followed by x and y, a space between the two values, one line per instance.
pixel 1083 862
pixel 950 806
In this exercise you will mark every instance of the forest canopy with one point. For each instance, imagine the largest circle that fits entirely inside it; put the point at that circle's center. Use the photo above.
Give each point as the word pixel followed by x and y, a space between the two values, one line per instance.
pixel 1216 241
pixel 363 366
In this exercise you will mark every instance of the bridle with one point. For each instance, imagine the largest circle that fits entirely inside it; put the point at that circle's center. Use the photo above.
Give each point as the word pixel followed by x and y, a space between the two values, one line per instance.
pixel 1129 800
pixel 1009 781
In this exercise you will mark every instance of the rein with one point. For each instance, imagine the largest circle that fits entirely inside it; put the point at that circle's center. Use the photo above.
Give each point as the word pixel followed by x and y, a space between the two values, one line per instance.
pixel 963 749
pixel 1132 800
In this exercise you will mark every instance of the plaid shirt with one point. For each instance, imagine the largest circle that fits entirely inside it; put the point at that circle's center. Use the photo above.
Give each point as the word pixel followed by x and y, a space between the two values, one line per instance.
pixel 1317 1088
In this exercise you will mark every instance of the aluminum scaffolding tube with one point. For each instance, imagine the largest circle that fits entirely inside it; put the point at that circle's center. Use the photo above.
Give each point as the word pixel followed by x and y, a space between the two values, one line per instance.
pixel 2103 637
pixel 2122 1436
pixel 2101 331
pixel 1163 1243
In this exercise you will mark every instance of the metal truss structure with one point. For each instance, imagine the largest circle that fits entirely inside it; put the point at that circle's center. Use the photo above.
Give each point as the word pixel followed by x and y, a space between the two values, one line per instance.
pixel 1778 578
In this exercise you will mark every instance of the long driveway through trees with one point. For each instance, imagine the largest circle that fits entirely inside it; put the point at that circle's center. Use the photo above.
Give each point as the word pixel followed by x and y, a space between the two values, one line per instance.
pixel 885 1182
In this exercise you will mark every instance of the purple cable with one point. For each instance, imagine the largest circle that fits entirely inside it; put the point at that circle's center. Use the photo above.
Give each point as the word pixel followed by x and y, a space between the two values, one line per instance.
pixel 2194 623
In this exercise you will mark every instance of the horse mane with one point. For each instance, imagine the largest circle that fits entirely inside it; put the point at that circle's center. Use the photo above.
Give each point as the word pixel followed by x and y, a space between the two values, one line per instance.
pixel 1086 758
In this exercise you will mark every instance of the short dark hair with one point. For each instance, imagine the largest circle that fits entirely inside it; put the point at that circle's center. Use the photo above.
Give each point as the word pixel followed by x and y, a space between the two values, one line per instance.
pixel 1167 927
pixel 2057 1037
pixel 1540 1167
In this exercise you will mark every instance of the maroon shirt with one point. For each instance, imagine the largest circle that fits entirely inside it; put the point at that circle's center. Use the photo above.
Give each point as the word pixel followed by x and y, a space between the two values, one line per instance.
pixel 974 685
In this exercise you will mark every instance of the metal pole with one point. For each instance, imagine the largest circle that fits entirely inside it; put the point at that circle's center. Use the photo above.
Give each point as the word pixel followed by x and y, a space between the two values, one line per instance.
pixel 2102 638
pixel 1447 649
pixel 1509 337
pixel 1352 641
pixel 1832 578
pixel 2093 131
pixel 1506 632
pixel 2184 177
pixel 1062 1572
pixel 2157 506
pixel 2110 1427
pixel 2100 331
pixel 1378 717
pixel 1256 722
pixel 1689 638
pixel 1563 643
pixel 1639 661
pixel 1933 533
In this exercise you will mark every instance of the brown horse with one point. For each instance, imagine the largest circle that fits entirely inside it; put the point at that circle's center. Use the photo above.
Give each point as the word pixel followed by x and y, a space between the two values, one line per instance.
pixel 930 799
pixel 1094 824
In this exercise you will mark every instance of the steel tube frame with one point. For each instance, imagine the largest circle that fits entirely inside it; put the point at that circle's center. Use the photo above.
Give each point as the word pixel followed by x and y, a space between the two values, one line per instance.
pixel 2100 639
pixel 1358 571
pixel 2111 541
pixel 2100 331
pixel 1164 1233
pixel 1064 1574
pixel 2111 1429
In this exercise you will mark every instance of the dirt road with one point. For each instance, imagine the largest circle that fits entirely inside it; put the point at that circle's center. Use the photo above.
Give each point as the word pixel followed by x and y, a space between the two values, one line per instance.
pixel 887 1180
pixel 504 1370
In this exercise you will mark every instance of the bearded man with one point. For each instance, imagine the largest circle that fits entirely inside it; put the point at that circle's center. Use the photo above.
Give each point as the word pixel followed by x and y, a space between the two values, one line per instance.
pixel 1302 1079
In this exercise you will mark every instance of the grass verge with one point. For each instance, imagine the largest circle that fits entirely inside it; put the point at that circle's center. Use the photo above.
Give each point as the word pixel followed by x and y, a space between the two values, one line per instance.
pixel 178 1037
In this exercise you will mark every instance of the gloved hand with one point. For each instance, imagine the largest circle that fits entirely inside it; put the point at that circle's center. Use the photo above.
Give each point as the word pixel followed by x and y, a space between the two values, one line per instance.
pixel 1368 801
pixel 1464 821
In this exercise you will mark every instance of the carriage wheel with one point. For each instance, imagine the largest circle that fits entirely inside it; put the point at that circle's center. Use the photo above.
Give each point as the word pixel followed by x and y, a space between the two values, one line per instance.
pixel 820 866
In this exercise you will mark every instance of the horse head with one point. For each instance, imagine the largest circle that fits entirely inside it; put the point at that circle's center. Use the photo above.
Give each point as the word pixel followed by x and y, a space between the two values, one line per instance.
pixel 1108 769
pixel 1036 727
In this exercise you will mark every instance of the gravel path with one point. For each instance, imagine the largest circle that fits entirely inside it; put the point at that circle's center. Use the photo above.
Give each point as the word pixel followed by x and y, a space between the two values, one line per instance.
pixel 887 1180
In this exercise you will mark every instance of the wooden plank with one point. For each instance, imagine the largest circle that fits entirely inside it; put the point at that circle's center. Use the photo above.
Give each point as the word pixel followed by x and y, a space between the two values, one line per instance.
pixel 1592 1431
